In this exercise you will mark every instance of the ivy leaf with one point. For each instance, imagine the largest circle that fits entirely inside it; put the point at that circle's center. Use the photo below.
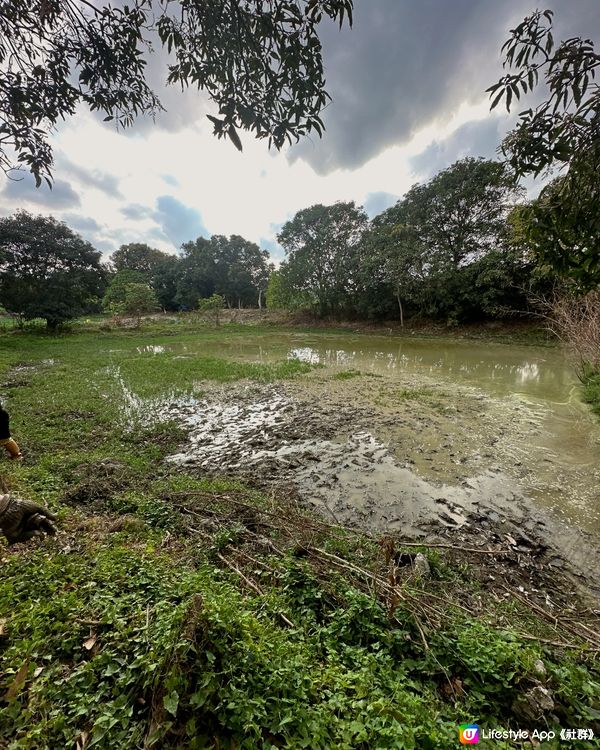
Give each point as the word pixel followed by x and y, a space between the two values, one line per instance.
pixel 171 702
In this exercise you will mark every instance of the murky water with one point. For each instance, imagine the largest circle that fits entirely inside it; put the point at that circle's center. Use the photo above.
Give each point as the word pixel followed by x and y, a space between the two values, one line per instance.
pixel 548 442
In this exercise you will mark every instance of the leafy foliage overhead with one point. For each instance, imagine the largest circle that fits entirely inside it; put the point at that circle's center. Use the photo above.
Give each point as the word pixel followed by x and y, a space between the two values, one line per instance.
pixel 563 131
pixel 259 61
pixel 565 127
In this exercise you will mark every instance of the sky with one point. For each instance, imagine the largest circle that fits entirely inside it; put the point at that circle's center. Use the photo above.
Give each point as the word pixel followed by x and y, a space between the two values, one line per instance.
pixel 408 99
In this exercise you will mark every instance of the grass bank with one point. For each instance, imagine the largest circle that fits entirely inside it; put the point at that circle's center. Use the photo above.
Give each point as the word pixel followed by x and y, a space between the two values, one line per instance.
pixel 591 390
pixel 180 611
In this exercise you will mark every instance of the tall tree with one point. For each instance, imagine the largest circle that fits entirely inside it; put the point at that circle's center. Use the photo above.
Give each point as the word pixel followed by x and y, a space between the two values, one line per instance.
pixel 394 255
pixel 197 273
pixel 137 256
pixel 115 294
pixel 46 270
pixel 322 245
pixel 165 280
pixel 229 266
pixel 460 213
pixel 561 133
pixel 259 61
pixel 432 245
pixel 242 269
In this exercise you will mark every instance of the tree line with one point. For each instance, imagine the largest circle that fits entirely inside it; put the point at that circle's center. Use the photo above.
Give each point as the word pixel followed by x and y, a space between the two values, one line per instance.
pixel 462 246
pixel 455 248
pixel 451 249
pixel 48 271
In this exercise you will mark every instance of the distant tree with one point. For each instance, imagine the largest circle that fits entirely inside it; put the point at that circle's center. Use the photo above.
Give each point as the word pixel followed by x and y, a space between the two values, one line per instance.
pixel 115 295
pixel 322 245
pixel 137 256
pixel 197 273
pixel 394 256
pixel 275 297
pixel 259 61
pixel 212 306
pixel 562 132
pixel 165 279
pixel 138 300
pixel 240 269
pixel 46 270
pixel 432 246
pixel 230 266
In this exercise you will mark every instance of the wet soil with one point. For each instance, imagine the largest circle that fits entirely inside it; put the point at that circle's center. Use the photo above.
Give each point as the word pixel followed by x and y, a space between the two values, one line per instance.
pixel 410 456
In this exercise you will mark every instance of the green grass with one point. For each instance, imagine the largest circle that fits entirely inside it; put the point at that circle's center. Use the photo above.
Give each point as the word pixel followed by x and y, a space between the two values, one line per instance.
pixel 129 630
pixel 591 390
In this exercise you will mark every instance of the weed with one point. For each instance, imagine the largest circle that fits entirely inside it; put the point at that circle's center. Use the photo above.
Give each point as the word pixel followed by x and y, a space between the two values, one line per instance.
pixel 128 631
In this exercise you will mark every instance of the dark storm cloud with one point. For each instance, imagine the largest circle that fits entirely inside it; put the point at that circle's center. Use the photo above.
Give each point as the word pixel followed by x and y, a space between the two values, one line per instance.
pixel 375 203
pixel 404 65
pixel 407 64
pixel 179 222
pixel 478 138
pixel 94 178
pixel 19 191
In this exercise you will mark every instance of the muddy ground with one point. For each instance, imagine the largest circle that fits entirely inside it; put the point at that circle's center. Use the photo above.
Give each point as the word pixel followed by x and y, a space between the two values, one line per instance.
pixel 410 456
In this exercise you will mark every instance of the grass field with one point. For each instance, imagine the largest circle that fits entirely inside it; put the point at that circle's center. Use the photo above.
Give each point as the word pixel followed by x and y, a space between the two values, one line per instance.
pixel 181 611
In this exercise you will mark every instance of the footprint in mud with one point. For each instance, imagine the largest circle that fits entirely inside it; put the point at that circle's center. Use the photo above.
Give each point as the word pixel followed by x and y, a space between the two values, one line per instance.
pixel 354 479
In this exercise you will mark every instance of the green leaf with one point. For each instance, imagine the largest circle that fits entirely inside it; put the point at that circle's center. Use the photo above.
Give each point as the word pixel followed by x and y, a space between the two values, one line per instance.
pixel 171 702
pixel 235 139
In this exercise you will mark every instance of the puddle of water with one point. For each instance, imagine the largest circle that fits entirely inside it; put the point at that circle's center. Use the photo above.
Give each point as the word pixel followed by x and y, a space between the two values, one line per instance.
pixel 137 411
pixel 152 349
pixel 550 440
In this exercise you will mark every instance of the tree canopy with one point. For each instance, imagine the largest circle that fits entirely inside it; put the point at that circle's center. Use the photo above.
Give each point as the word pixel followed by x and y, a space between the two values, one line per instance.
pixel 46 270
pixel 231 266
pixel 259 61
pixel 459 213
pixel 322 245
pixel 562 132
pixel 137 256
pixel 437 248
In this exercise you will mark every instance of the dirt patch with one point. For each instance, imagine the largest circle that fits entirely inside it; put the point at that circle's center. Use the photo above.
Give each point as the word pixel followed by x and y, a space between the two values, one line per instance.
pixel 20 374
pixel 410 456
pixel 95 484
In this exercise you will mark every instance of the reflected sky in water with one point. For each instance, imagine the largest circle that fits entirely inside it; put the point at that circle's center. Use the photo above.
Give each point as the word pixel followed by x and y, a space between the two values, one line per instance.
pixel 502 369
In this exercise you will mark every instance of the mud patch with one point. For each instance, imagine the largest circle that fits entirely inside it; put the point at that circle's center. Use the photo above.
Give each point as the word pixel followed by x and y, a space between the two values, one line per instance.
pixel 20 374
pixel 96 484
pixel 410 456
pixel 351 476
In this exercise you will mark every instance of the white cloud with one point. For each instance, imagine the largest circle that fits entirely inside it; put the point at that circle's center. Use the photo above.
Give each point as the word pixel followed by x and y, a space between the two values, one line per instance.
pixel 119 180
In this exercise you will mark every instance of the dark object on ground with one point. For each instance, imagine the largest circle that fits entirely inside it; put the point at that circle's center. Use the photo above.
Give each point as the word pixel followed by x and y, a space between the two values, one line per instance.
pixel 5 439
pixel 21 520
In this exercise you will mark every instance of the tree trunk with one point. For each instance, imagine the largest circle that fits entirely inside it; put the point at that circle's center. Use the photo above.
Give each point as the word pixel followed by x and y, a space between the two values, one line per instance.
pixel 400 308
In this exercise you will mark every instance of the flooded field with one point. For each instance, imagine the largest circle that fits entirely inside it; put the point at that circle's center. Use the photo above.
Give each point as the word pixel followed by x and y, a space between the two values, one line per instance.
pixel 400 434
